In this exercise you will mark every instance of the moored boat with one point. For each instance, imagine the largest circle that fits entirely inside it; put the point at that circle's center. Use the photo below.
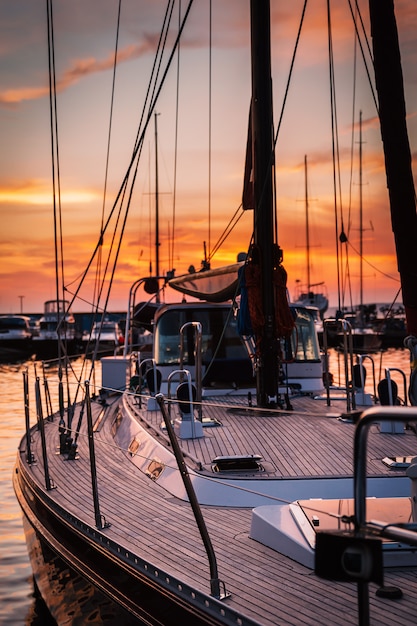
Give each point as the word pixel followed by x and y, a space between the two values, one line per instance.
pixel 105 338
pixel 216 482
pixel 15 338
pixel 57 332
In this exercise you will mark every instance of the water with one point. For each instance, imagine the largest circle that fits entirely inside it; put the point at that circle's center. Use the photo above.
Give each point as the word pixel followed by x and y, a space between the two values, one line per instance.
pixel 18 602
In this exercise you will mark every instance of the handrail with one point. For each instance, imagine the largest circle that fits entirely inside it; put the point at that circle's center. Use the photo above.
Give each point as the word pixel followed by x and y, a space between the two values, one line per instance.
pixel 132 294
pixel 388 371
pixel 181 373
pixel 215 582
pixel 367 418
pixel 198 333
pixel 347 360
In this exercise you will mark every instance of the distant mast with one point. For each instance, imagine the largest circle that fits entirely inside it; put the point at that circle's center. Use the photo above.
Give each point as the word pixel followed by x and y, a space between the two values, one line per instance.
pixel 307 226
pixel 360 222
pixel 392 115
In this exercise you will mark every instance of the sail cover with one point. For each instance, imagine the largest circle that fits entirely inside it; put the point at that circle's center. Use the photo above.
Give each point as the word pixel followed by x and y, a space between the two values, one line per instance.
pixel 214 285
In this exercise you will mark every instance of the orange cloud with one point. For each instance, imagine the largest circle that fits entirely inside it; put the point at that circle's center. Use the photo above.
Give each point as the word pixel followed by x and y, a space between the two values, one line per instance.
pixel 37 192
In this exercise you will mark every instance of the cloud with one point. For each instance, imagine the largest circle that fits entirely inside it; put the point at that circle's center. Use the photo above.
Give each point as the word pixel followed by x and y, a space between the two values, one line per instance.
pixel 82 68
pixel 12 97
pixel 36 192
pixel 79 69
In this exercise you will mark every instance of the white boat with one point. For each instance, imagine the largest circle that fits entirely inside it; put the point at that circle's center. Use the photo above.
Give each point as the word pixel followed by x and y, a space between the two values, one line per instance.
pixel 106 337
pixel 216 482
pixel 57 332
pixel 15 338
pixel 310 294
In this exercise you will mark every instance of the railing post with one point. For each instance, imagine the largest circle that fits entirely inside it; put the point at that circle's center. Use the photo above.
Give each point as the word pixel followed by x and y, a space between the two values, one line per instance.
pixel 41 426
pixel 99 520
pixel 29 456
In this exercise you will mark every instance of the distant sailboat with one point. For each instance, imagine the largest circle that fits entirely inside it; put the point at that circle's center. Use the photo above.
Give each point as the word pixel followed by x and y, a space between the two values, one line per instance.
pixel 364 335
pixel 307 295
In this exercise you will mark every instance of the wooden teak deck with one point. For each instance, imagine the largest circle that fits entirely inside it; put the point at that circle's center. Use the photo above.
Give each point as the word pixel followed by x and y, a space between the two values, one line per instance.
pixel 152 522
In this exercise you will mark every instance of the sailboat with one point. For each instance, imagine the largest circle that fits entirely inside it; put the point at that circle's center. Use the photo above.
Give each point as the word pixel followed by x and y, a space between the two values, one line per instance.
pixel 206 486
pixel 309 294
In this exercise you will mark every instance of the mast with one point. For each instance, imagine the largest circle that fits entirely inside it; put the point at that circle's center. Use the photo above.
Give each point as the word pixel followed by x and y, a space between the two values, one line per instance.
pixel 360 223
pixel 392 115
pixel 262 146
pixel 307 226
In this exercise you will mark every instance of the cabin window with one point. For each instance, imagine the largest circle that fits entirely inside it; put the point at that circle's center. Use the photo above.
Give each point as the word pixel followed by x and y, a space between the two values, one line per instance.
pixel 304 343
pixel 216 342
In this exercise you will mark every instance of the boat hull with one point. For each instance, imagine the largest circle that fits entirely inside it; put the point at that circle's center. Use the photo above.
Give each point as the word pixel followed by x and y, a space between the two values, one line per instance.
pixel 14 350
pixel 64 590
pixel 78 570
pixel 47 349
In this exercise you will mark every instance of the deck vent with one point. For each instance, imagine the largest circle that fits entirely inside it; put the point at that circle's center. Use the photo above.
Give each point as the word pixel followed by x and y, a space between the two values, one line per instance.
pixel 398 462
pixel 237 463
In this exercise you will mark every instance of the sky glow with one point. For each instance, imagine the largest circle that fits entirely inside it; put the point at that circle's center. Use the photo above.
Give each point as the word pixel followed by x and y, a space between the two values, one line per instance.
pixel 85 33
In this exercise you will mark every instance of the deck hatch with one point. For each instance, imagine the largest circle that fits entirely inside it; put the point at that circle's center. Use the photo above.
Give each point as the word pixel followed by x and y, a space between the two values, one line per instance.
pixel 397 462
pixel 237 463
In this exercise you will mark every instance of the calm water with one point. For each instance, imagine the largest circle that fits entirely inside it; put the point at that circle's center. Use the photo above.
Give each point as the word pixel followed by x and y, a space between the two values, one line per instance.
pixel 18 605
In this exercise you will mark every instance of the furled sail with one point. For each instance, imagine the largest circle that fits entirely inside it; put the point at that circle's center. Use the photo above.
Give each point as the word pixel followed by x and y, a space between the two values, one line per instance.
pixel 214 285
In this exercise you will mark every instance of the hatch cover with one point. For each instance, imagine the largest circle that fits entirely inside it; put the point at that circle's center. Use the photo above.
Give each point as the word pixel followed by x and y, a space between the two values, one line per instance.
pixel 237 463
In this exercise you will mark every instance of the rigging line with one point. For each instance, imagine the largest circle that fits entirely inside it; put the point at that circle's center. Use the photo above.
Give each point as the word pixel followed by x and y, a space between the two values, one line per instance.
pixel 335 150
pixel 58 229
pixel 151 247
pixel 272 157
pixel 139 140
pixel 111 112
pixel 174 200
pixel 287 87
pixel 210 123
pixel 52 131
pixel 154 78
pixel 106 171
pixel 116 254
pixel 346 270
pixel 354 18
pixel 377 269
pixel 137 147
pixel 230 226
pixel 156 93
pixel 154 75
pixel 56 189
pixel 119 244
pixel 112 244
pixel 352 140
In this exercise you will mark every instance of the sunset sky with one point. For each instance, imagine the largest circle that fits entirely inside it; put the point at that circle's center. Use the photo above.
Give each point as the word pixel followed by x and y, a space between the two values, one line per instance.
pixel 85 35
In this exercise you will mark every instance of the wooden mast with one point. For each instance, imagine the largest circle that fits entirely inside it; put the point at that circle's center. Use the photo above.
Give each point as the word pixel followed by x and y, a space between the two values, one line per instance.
pixel 262 150
pixel 392 114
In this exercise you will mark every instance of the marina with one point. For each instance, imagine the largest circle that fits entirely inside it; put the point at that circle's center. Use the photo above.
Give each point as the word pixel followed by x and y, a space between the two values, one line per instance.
pixel 226 456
